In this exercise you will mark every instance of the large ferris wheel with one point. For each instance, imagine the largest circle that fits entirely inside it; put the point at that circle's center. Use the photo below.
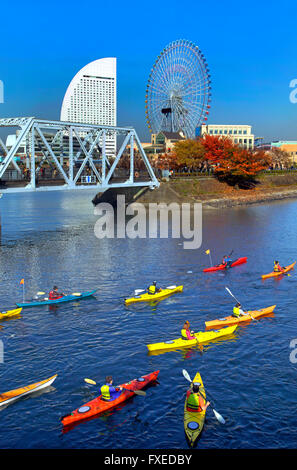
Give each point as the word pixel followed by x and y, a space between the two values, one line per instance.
pixel 178 92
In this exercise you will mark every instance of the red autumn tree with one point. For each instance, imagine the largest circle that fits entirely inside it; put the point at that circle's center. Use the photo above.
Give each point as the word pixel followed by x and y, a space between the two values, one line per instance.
pixel 233 163
pixel 216 148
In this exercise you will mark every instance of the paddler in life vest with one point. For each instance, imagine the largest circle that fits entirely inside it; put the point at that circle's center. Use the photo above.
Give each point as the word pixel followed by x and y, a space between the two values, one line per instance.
pixel 237 311
pixel 153 288
pixel 227 261
pixel 195 402
pixel 108 392
pixel 186 333
pixel 54 294
pixel 277 268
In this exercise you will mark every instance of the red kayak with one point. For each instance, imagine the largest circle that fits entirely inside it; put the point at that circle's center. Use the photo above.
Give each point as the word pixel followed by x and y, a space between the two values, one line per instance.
pixel 97 406
pixel 221 267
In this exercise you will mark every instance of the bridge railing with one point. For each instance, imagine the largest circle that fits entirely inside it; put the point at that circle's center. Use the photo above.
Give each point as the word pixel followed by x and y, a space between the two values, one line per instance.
pixel 73 152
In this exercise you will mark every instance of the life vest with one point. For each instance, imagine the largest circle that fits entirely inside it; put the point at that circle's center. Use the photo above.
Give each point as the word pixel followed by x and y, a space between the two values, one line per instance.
pixel 236 311
pixel 105 393
pixel 184 333
pixel 194 401
pixel 277 268
pixel 54 295
pixel 152 289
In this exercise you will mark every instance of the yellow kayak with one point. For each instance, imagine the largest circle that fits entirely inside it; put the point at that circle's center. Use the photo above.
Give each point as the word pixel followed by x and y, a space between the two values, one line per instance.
pixel 10 313
pixel 201 337
pixel 194 420
pixel 158 296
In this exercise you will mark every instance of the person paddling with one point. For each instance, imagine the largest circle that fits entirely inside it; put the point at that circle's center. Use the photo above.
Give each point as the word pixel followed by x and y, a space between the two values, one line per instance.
pixel 186 333
pixel 277 268
pixel 227 261
pixel 108 392
pixel 54 294
pixel 237 311
pixel 152 289
pixel 195 402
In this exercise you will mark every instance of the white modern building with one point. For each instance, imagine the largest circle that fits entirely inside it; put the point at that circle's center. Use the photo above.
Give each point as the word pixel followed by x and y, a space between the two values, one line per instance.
pixel 91 98
pixel 240 134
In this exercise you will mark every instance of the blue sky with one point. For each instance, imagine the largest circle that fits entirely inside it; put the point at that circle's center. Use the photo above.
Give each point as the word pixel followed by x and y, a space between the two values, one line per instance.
pixel 251 49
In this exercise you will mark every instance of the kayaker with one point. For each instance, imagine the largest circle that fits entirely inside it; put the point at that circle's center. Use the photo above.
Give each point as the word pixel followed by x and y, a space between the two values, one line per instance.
pixel 108 392
pixel 227 261
pixel 195 402
pixel 237 311
pixel 186 333
pixel 54 294
pixel 277 268
pixel 152 289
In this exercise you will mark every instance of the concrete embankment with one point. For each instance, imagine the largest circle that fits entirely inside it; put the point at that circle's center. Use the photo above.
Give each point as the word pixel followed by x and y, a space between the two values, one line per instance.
pixel 214 194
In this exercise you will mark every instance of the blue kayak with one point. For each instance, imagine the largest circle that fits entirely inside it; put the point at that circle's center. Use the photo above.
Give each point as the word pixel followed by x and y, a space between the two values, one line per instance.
pixel 66 298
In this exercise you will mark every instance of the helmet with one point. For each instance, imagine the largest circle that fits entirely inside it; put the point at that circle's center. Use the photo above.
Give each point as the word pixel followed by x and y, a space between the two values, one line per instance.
pixel 154 283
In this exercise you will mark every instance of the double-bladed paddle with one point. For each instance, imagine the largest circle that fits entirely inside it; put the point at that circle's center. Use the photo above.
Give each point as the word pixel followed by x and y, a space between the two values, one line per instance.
pixel 217 415
pixel 137 392
pixel 247 314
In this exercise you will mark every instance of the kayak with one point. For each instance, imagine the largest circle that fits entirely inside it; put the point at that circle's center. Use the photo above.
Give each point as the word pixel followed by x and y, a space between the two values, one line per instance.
pixel 13 395
pixel 10 313
pixel 228 321
pixel 221 267
pixel 194 420
pixel 46 301
pixel 97 406
pixel 202 337
pixel 149 297
pixel 275 274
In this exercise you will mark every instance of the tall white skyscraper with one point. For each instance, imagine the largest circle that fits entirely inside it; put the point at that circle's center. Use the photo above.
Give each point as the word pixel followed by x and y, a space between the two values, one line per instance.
pixel 91 97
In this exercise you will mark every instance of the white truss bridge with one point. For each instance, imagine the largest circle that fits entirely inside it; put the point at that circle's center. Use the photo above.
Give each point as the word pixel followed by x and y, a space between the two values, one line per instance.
pixel 71 149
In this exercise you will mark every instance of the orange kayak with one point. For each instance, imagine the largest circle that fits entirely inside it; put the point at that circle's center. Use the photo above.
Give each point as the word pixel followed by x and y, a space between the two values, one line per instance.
pixel 97 406
pixel 13 395
pixel 228 321
pixel 275 274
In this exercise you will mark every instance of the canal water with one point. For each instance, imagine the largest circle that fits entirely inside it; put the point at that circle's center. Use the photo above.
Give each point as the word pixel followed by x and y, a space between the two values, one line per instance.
pixel 49 239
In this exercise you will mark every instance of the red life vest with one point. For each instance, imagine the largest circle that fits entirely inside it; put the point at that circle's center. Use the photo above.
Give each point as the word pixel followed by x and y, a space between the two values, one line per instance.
pixel 54 295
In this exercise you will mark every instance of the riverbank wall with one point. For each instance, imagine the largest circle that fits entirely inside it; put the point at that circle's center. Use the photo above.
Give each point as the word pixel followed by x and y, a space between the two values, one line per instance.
pixel 214 194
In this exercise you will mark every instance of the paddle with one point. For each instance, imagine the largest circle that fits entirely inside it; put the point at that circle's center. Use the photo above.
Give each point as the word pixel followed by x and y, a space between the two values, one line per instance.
pixel 137 392
pixel 137 291
pixel 74 293
pixel 217 415
pixel 247 314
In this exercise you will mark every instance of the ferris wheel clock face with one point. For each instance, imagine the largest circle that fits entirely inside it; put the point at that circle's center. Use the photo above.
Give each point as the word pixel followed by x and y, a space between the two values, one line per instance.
pixel 178 92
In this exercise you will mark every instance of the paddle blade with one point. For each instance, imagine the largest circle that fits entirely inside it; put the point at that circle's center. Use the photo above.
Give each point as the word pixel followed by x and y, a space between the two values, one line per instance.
pixel 218 416
pixel 186 375
pixel 90 381
pixel 40 293
pixel 228 290
pixel 76 293
pixel 141 393
pixel 171 287
pixel 137 291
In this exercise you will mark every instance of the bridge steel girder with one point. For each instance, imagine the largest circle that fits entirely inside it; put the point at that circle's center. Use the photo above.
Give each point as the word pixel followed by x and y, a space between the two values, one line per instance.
pixel 35 131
